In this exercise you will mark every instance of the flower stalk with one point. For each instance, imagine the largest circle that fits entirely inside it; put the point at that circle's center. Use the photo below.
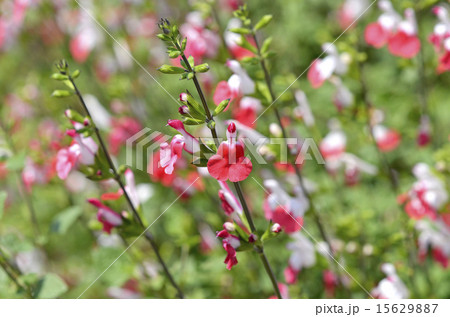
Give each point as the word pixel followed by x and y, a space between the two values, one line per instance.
pixel 172 36
pixel 148 236
pixel 268 80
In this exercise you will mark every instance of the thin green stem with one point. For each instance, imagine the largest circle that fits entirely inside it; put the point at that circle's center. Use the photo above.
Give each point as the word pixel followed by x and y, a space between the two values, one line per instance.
pixel 237 185
pixel 13 275
pixel 409 238
pixel 148 236
pixel 316 215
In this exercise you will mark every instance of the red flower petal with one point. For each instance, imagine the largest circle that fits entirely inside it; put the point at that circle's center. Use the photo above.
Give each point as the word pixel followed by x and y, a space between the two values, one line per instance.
pixel 375 35
pixel 287 221
pixel 218 167
pixel 404 45
pixel 314 76
pixel 240 171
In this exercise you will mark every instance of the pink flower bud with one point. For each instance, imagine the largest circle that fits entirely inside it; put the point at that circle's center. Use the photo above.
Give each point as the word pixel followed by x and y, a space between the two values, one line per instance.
pixel 228 226
pixel 252 238
pixel 183 110
pixel 276 228
pixel 183 97
pixel 232 127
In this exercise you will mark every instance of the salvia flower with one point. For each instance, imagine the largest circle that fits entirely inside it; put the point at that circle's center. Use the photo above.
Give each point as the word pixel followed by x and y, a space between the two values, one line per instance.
pixel 427 195
pixel 191 144
pixel 440 38
pixel 230 162
pixel 283 209
pixel 322 69
pixel 230 204
pixel 400 35
pixel 435 236
pixel 303 256
pixel 108 217
pixel 391 287
pixel 230 243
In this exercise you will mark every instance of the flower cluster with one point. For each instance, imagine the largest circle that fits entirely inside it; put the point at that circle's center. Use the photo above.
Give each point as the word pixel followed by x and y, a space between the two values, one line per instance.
pixel 399 34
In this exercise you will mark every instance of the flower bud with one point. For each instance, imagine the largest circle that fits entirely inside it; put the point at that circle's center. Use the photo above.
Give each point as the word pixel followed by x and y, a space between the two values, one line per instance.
pixel 252 238
pixel 275 130
pixel 183 110
pixel 183 97
pixel 276 228
pixel 228 226
pixel 231 127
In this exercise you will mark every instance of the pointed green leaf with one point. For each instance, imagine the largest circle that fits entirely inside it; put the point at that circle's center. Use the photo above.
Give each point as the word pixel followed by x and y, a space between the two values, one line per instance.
pixel 50 286
pixel 65 219
pixel 202 68
pixel 241 31
pixel 221 107
pixel 263 22
pixel 61 93
pixel 168 69
pixel 266 45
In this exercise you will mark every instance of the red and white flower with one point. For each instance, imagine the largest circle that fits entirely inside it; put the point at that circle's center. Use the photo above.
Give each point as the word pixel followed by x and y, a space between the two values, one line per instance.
pixel 322 69
pixel 350 11
pixel 201 41
pixel 424 135
pixel 247 111
pixel 435 236
pixel 303 109
pixel 427 195
pixel 283 209
pixel 303 256
pixel 239 84
pixel 230 163
pixel 82 150
pixel 230 243
pixel 390 287
pixel 333 144
pixel 232 39
pixel 191 144
pixel 440 38
pixel 108 217
pixel 230 204
pixel 400 35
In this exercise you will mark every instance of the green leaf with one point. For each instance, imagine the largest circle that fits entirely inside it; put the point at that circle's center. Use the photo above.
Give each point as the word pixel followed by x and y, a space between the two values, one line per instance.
pixel 263 22
pixel 65 219
pixel 3 196
pixel 50 286
pixel 58 76
pixel 202 68
pixel 250 60
pixel 61 93
pixel 174 54
pixel 191 61
pixel 167 69
pixel 191 121
pixel 69 84
pixel 183 44
pixel 75 74
pixel 265 46
pixel 221 107
pixel 241 31
pixel 246 44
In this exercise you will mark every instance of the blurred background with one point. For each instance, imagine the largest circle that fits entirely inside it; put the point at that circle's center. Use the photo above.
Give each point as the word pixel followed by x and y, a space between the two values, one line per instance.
pixel 66 251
